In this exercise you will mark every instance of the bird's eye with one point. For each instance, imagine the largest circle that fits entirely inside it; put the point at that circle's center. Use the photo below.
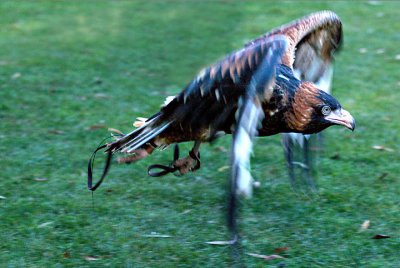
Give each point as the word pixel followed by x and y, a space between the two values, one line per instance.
pixel 326 110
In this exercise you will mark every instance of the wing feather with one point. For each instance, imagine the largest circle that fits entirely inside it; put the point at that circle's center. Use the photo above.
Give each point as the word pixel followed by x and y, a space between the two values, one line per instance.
pixel 312 41
pixel 212 98
pixel 250 114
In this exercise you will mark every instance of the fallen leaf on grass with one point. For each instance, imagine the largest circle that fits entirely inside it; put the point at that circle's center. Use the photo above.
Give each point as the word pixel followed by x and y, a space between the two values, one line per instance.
pixel 365 225
pixel 363 50
pixel 223 168
pixel 155 235
pixel 222 243
pixel 101 96
pixel 265 257
pixel 66 254
pixel 45 224
pixel 15 76
pixel 97 126
pixel 277 250
pixel 115 131
pixel 186 211
pixel 382 148
pixel 380 236
pixel 91 258
pixel 374 3
pixel 40 179
pixel 55 132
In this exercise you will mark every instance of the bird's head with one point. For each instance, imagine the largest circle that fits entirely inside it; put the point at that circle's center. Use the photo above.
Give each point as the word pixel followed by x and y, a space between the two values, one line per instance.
pixel 313 110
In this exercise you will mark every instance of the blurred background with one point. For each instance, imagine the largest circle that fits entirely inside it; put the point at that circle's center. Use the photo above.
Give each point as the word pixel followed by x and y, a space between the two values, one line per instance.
pixel 71 69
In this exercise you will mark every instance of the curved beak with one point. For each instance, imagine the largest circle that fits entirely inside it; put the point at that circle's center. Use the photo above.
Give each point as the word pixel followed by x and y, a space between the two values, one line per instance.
pixel 343 118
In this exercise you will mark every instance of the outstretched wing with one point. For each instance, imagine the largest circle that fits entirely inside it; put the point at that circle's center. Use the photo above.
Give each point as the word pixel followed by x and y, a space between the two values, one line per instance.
pixel 208 104
pixel 312 41
pixel 249 116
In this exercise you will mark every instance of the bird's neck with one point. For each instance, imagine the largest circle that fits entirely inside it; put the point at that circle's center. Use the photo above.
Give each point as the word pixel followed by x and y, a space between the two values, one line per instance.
pixel 302 107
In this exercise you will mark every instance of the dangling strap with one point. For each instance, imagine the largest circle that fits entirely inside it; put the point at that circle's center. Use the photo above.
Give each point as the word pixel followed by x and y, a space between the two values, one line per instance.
pixel 105 170
pixel 164 169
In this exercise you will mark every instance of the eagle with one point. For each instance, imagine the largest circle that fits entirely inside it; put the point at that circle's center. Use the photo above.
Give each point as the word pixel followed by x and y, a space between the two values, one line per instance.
pixel 269 86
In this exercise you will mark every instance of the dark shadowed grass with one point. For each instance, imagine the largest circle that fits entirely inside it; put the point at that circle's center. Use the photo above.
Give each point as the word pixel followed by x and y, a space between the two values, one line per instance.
pixel 68 66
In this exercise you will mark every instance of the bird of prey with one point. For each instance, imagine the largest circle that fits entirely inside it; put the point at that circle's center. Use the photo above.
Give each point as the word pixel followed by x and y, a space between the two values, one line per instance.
pixel 252 92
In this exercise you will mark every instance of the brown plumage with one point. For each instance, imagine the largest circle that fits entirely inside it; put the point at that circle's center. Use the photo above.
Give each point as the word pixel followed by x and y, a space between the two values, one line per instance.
pixel 251 92
pixel 314 36
pixel 207 106
pixel 218 88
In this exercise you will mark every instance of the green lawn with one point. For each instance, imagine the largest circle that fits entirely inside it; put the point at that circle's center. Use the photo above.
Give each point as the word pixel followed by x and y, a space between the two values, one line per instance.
pixel 70 67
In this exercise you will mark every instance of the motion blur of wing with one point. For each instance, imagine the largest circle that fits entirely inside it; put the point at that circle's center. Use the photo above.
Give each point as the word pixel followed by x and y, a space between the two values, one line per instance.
pixel 312 42
pixel 249 116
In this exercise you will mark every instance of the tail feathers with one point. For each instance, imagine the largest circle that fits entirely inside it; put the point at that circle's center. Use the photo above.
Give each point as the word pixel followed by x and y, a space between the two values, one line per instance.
pixel 146 135
pixel 138 137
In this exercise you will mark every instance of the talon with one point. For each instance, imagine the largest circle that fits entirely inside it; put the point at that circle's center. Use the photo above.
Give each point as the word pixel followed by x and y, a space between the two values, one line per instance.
pixel 189 163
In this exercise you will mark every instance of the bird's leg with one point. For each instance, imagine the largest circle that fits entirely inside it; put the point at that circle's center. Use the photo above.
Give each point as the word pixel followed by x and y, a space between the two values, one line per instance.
pixel 307 168
pixel 190 162
pixel 288 147
pixel 319 148
pixel 137 154
pixel 320 142
pixel 318 151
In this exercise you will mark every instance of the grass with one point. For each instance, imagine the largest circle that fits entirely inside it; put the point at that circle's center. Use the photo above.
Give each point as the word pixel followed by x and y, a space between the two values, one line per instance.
pixel 67 66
